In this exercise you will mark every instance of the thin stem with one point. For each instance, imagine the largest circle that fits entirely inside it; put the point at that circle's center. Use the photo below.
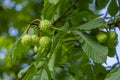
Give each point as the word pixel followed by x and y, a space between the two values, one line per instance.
pixel 35 22
pixel 27 29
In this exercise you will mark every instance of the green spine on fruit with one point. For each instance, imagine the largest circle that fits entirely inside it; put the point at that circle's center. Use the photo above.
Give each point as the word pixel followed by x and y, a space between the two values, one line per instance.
pixel 45 42
pixel 45 25
pixel 102 37
pixel 26 40
pixel 35 39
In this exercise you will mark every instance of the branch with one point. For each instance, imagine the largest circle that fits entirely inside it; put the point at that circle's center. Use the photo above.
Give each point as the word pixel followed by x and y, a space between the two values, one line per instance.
pixel 115 24
pixel 64 13
pixel 35 22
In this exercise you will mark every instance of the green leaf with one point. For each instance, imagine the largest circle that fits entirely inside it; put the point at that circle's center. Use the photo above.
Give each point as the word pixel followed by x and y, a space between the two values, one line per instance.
pixel 30 72
pixel 100 4
pixel 84 5
pixel 41 75
pixel 22 72
pixel 93 49
pixel 95 23
pixel 61 74
pixel 101 73
pixel 54 49
pixel 53 57
pixel 77 17
pixel 75 66
pixel 44 75
pixel 114 74
pixel 41 64
pixel 48 10
pixel 53 1
pixel 37 75
pixel 113 8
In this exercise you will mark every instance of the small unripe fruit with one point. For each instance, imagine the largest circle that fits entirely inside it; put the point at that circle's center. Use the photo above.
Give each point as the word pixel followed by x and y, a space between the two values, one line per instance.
pixel 101 37
pixel 112 35
pixel 112 43
pixel 45 25
pixel 111 52
pixel 26 40
pixel 45 42
pixel 35 39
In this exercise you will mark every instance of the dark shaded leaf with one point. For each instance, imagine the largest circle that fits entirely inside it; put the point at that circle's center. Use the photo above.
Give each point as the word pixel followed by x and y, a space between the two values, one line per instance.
pixel 100 4
pixel 114 74
pixel 113 8
pixel 77 18
pixel 61 74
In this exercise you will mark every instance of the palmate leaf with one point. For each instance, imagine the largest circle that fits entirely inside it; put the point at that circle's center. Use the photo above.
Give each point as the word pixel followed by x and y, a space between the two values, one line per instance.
pixel 93 49
pixel 114 74
pixel 95 23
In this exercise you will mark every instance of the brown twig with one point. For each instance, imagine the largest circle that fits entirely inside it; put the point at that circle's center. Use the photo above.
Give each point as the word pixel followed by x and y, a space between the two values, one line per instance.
pixel 35 22
pixel 64 13
pixel 115 24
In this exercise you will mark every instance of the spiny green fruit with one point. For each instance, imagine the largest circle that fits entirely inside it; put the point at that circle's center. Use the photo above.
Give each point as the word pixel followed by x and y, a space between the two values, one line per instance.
pixel 111 52
pixel 35 39
pixel 112 43
pixel 45 25
pixel 26 40
pixel 102 37
pixel 112 35
pixel 45 42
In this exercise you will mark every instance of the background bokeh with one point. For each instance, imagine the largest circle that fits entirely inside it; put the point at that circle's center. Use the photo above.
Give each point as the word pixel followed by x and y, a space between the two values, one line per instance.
pixel 15 15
